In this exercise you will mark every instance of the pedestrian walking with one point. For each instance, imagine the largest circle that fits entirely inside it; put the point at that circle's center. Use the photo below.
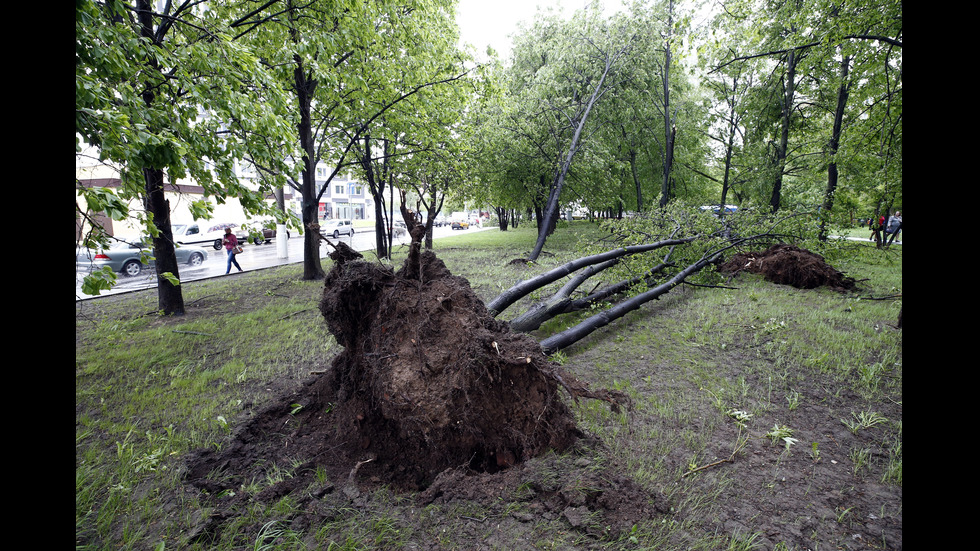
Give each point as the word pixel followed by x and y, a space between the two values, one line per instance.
pixel 231 246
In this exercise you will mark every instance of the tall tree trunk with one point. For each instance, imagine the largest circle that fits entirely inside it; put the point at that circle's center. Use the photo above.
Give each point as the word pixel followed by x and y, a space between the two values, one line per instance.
pixel 665 188
pixel 787 114
pixel 670 128
pixel 377 189
pixel 551 207
pixel 733 122
pixel 631 157
pixel 434 208
pixel 170 298
pixel 833 146
pixel 502 218
pixel 304 88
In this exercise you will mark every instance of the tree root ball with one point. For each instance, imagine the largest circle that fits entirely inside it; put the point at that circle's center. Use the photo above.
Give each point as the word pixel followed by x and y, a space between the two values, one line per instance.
pixel 428 380
pixel 789 265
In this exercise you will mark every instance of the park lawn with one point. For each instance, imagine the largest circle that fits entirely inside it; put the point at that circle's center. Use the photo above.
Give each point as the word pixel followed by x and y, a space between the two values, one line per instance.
pixel 757 410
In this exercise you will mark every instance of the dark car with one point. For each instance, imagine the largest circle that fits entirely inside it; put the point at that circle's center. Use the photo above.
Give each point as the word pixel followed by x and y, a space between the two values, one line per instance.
pixel 262 231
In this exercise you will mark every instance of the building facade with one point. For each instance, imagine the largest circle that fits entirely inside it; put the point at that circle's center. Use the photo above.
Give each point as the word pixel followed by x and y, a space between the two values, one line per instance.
pixel 344 198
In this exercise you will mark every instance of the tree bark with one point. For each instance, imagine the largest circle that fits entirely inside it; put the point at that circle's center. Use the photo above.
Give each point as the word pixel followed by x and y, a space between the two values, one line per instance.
pixel 559 302
pixel 578 123
pixel 304 88
pixel 503 219
pixel 787 114
pixel 562 303
pixel 574 334
pixel 170 298
pixel 670 128
pixel 832 177
pixel 515 293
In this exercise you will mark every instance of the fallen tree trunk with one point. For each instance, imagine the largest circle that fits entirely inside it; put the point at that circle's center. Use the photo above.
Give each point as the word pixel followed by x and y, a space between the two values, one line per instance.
pixel 572 335
pixel 562 303
pixel 558 303
pixel 515 293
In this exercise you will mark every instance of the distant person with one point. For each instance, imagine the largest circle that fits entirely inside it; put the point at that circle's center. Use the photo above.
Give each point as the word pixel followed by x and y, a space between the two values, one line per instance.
pixel 231 246
pixel 894 224
pixel 881 225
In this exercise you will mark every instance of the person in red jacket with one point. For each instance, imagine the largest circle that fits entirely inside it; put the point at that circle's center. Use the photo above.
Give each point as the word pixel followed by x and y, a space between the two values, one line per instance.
pixel 231 246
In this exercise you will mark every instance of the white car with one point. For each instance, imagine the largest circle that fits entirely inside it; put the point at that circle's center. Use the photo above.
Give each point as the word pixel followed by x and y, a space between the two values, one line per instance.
pixel 337 227
pixel 211 233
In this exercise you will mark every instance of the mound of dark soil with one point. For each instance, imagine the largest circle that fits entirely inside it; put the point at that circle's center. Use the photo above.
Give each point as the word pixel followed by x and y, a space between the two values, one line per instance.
pixel 428 383
pixel 428 380
pixel 789 265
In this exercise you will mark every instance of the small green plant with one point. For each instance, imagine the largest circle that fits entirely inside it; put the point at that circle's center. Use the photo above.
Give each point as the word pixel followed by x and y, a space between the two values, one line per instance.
pixel 815 452
pixel 863 420
pixel 861 459
pixel 740 417
pixel 893 470
pixel 793 399
pixel 741 542
pixel 272 534
pixel 781 433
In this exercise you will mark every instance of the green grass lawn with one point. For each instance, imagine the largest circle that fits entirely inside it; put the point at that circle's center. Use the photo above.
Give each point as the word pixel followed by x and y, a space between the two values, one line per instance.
pixel 150 390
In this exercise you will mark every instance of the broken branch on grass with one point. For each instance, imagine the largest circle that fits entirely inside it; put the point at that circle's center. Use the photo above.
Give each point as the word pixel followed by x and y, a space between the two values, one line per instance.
pixel 572 335
pixel 730 459
pixel 515 293
pixel 287 316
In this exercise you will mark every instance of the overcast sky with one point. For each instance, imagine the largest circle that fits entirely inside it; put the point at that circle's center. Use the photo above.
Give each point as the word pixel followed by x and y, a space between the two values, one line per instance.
pixel 483 22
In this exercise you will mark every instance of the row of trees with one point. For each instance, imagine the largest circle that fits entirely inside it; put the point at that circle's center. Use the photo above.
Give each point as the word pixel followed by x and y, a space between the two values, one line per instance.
pixel 167 90
pixel 770 103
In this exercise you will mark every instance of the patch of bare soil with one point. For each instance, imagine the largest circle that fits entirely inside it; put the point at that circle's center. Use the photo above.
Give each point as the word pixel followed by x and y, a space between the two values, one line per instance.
pixel 789 265
pixel 430 395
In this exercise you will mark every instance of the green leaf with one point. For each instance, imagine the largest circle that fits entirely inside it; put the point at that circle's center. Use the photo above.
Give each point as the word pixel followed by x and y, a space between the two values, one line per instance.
pixel 99 280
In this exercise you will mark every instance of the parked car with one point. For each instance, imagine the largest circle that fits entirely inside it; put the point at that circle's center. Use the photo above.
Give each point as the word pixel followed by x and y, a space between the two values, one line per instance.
pixel 460 225
pixel 337 227
pixel 399 228
pixel 716 210
pixel 262 231
pixel 128 258
pixel 212 234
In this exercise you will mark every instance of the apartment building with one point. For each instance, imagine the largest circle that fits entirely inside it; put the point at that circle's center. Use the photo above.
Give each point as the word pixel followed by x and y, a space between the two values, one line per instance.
pixel 344 198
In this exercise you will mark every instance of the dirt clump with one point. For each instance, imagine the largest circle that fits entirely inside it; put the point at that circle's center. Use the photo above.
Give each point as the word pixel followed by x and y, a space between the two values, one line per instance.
pixel 428 384
pixel 430 380
pixel 789 265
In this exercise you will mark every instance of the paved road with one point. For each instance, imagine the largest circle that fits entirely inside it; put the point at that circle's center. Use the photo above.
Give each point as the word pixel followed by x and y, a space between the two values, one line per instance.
pixel 252 258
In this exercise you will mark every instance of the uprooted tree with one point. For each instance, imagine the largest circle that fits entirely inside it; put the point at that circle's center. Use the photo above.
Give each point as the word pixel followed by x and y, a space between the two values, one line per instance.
pixel 428 378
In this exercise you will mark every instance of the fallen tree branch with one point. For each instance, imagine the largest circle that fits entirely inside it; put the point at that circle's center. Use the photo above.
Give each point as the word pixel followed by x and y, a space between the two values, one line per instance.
pixel 574 334
pixel 562 303
pixel 515 293
pixel 558 303
pixel 730 459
